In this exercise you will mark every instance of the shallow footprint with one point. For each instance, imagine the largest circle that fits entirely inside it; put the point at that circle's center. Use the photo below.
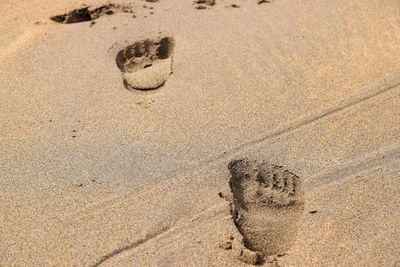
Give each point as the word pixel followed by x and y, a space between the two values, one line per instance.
pixel 268 202
pixel 146 64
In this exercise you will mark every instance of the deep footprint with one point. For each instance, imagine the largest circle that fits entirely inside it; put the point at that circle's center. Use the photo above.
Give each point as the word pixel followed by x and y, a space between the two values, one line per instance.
pixel 146 64
pixel 268 202
pixel 88 14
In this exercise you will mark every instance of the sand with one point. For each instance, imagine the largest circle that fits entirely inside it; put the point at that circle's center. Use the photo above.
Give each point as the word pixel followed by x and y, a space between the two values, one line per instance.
pixel 95 172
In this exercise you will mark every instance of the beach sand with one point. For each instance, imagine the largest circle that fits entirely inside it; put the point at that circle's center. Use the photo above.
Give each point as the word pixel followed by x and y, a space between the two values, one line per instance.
pixel 117 133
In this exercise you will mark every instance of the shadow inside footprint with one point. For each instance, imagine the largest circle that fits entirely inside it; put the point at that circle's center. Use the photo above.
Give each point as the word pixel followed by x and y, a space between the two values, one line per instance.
pixel 268 202
pixel 146 64
pixel 88 14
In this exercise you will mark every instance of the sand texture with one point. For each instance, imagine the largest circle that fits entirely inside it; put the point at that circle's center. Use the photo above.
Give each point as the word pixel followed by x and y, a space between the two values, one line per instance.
pixel 200 133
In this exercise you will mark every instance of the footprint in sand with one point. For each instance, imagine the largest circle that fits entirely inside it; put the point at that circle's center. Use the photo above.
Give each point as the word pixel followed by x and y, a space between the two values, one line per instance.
pixel 202 4
pixel 268 202
pixel 88 14
pixel 146 64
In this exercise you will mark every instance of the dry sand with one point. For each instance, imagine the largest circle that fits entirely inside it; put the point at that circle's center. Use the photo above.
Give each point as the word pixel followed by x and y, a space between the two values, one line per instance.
pixel 94 174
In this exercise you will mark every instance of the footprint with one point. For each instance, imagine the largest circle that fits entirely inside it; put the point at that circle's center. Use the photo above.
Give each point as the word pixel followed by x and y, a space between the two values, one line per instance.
pixel 146 64
pixel 89 14
pixel 201 4
pixel 268 202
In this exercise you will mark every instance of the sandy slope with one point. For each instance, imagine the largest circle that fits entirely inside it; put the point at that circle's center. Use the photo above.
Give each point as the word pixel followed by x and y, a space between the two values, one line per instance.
pixel 92 173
